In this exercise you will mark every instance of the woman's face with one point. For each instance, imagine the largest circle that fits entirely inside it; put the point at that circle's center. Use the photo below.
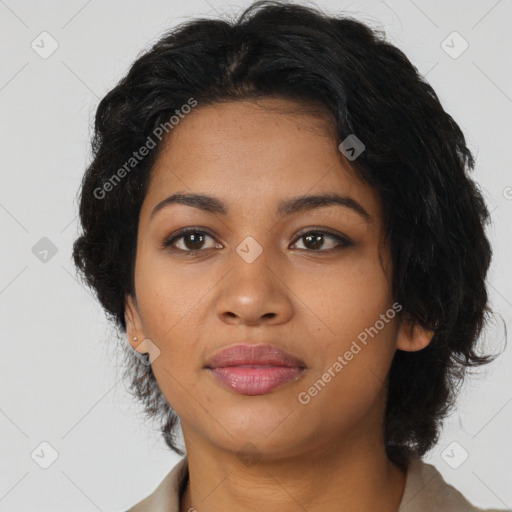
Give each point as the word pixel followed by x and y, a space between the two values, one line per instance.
pixel 311 278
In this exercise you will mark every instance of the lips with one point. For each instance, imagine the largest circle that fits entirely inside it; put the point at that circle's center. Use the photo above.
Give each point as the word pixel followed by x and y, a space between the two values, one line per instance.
pixel 254 369
pixel 250 355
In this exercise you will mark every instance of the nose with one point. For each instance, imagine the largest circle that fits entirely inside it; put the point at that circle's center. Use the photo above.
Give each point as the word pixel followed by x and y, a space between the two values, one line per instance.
pixel 254 293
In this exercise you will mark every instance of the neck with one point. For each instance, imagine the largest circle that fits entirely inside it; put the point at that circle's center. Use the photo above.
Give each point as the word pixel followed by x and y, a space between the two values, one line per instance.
pixel 359 477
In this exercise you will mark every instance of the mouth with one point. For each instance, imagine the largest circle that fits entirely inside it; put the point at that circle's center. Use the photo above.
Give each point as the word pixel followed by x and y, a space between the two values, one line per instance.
pixel 254 369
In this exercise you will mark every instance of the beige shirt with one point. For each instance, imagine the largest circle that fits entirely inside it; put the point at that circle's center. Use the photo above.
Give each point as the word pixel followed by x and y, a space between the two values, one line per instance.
pixel 425 491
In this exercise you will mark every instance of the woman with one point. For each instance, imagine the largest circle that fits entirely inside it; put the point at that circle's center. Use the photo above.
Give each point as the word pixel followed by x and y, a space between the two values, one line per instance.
pixel 279 217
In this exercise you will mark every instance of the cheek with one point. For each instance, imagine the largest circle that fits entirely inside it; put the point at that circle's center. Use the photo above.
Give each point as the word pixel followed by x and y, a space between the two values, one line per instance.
pixel 345 298
pixel 352 378
pixel 168 308
pixel 171 296
pixel 358 324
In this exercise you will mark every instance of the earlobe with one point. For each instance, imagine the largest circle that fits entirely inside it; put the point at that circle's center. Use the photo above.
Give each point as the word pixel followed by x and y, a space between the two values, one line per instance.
pixel 411 337
pixel 134 331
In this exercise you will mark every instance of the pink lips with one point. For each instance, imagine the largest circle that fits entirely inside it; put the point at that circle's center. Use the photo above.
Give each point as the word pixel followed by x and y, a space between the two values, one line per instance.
pixel 254 369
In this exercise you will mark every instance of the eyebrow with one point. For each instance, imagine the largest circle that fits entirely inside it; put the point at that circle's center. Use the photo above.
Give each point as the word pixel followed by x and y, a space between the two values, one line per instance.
pixel 296 204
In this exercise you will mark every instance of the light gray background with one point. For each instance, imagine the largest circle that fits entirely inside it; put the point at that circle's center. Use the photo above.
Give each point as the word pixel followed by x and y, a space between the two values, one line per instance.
pixel 58 365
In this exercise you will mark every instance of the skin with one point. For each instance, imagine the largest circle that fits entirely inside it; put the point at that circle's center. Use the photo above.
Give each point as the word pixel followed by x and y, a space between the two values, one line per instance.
pixel 327 455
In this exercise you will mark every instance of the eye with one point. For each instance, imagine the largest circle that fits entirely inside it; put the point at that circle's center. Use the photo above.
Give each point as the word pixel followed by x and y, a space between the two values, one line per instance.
pixel 315 239
pixel 191 240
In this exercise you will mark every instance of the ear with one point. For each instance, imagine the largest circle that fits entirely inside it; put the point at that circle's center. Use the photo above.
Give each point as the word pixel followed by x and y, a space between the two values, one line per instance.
pixel 411 337
pixel 134 326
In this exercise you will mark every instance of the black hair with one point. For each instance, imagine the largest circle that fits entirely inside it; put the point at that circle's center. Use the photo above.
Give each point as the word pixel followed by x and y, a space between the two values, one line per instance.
pixel 415 156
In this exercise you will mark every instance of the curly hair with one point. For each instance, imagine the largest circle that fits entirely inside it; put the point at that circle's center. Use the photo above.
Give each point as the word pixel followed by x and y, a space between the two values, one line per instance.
pixel 415 157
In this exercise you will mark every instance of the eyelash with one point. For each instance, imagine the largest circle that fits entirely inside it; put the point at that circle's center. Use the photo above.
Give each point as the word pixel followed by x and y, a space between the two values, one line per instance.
pixel 343 241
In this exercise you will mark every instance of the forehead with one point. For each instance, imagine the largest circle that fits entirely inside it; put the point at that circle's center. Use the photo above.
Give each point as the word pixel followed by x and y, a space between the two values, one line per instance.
pixel 255 153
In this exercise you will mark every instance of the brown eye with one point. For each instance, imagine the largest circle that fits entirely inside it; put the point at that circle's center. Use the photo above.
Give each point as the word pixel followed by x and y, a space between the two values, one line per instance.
pixel 315 241
pixel 188 240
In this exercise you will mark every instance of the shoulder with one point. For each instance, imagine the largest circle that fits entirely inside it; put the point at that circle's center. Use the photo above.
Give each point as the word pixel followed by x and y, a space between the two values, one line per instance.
pixel 427 491
pixel 165 498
